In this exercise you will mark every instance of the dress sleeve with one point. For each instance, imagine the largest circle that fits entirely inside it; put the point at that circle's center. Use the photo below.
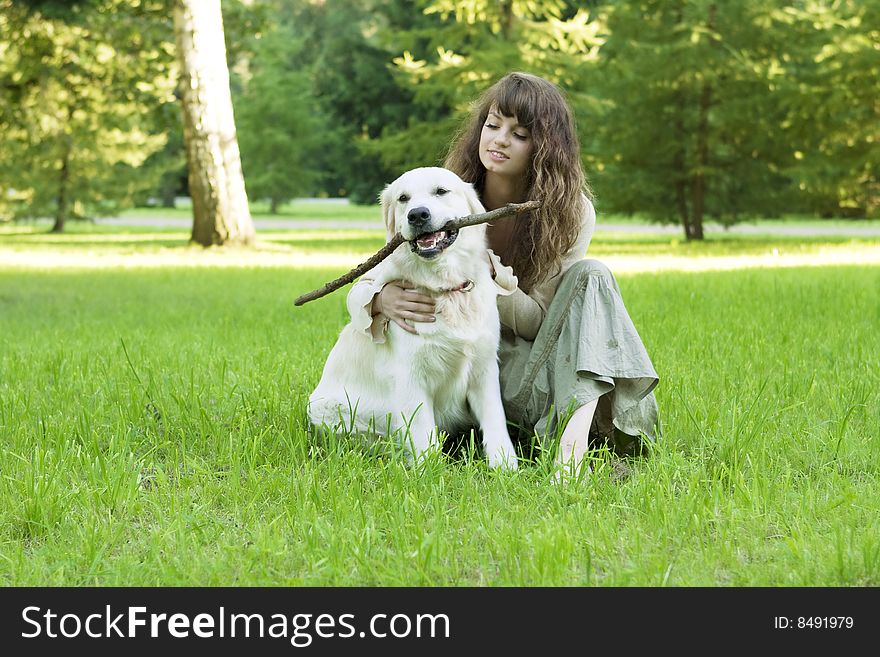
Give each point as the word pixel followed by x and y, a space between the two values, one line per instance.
pixel 360 305
pixel 516 309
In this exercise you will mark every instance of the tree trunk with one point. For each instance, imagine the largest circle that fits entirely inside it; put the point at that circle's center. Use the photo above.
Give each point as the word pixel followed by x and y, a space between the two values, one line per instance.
pixel 168 195
pixel 698 189
pixel 681 192
pixel 507 18
pixel 62 212
pixel 679 160
pixel 679 166
pixel 216 184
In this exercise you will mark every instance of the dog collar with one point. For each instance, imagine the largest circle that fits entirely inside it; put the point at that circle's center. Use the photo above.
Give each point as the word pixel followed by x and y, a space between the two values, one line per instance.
pixel 467 286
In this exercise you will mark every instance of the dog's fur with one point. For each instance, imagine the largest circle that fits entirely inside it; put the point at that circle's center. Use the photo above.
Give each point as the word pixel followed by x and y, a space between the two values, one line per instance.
pixel 446 377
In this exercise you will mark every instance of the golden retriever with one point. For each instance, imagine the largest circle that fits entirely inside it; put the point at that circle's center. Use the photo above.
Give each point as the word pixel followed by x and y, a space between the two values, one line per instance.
pixel 445 378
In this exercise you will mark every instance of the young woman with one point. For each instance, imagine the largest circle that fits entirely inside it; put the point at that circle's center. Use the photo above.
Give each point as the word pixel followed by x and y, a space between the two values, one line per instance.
pixel 569 352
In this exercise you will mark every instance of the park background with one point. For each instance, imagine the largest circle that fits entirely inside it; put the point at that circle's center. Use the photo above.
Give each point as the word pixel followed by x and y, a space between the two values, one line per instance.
pixel 153 391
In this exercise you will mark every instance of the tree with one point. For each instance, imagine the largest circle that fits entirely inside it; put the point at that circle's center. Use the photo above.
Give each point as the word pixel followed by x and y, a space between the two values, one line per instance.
pixel 551 38
pixel 345 48
pixel 687 109
pixel 282 131
pixel 82 86
pixel 832 112
pixel 730 110
pixel 219 200
pixel 691 121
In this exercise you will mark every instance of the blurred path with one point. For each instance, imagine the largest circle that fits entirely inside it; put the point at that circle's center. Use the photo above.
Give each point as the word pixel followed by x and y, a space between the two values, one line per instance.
pixel 672 230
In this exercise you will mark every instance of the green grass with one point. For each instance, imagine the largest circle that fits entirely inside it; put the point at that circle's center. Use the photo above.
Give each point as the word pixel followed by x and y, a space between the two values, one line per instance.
pixel 154 433
pixel 105 239
pixel 306 209
pixel 300 209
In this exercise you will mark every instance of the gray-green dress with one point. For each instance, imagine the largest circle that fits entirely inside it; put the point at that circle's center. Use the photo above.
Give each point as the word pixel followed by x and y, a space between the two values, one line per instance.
pixel 587 348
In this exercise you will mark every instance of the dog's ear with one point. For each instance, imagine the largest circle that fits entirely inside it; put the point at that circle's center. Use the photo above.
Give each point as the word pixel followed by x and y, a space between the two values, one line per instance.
pixel 475 206
pixel 387 211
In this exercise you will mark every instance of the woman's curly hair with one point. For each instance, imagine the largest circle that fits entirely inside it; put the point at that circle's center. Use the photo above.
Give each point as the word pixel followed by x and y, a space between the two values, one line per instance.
pixel 556 176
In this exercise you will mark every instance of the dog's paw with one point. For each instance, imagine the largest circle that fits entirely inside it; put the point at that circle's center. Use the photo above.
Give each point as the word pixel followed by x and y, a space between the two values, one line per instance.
pixel 504 458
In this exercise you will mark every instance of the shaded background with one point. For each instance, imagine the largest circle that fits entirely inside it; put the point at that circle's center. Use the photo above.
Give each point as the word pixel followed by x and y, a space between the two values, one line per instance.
pixel 687 109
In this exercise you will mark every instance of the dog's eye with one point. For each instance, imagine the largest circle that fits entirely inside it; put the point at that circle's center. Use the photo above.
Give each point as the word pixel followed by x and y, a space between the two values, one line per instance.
pixel 440 191
pixel 403 198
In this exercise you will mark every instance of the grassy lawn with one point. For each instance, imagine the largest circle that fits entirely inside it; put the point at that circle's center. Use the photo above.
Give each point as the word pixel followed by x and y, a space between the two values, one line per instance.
pixel 301 209
pixel 33 242
pixel 340 209
pixel 153 422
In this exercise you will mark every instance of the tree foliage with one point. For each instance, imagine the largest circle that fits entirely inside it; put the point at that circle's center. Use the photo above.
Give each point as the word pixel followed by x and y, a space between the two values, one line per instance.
pixel 687 109
pixel 760 107
pixel 686 124
pixel 465 48
pixel 832 104
pixel 346 48
pixel 84 87
pixel 281 129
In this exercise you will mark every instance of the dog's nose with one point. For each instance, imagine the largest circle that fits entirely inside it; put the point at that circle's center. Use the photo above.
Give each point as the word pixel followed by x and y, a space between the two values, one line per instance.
pixel 418 216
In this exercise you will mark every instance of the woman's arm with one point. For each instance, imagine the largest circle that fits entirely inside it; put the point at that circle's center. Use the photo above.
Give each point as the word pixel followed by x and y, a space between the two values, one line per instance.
pixel 524 313
pixel 372 303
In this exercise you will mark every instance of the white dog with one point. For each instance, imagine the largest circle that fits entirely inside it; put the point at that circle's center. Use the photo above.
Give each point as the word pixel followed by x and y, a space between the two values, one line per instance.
pixel 445 378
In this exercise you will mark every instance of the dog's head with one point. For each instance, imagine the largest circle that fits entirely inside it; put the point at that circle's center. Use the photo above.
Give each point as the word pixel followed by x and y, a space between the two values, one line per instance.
pixel 419 203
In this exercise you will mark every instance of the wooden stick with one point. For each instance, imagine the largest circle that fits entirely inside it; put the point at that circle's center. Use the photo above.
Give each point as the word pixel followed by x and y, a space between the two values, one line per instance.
pixel 397 240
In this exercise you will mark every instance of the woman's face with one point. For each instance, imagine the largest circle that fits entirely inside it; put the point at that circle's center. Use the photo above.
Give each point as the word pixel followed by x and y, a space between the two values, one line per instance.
pixel 505 146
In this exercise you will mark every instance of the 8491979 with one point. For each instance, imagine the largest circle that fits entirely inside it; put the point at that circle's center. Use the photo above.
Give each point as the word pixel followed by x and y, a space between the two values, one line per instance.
pixel 825 622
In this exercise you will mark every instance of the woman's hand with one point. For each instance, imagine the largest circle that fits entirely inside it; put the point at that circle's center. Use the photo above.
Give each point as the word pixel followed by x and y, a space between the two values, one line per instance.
pixel 399 302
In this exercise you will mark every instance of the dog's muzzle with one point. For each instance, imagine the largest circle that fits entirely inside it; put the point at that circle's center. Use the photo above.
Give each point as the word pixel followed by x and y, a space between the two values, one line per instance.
pixel 430 245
